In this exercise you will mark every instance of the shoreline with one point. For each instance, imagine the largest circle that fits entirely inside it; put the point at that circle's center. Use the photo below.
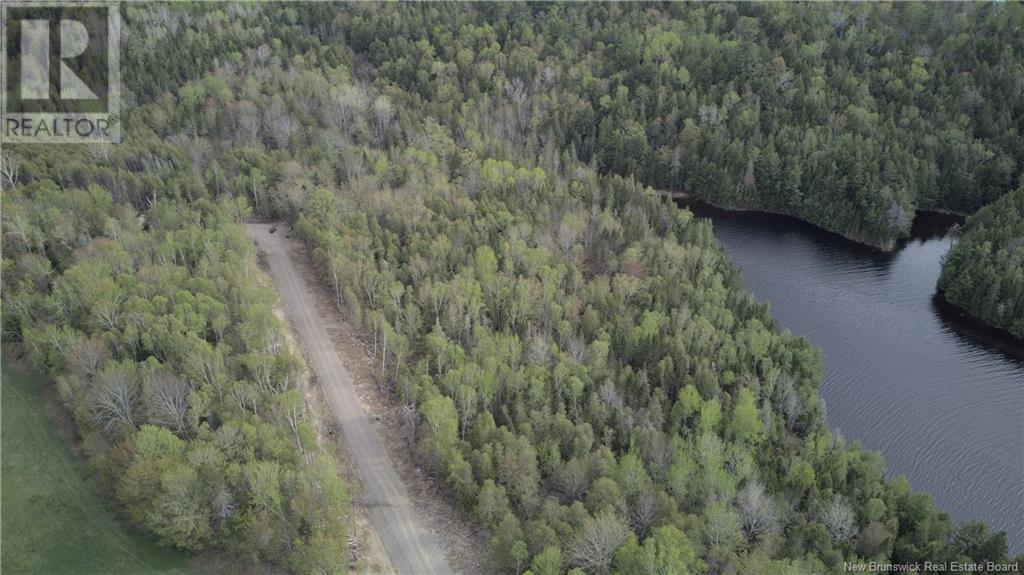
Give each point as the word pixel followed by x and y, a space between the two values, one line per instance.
pixel 945 212
pixel 997 336
pixel 1000 337
pixel 890 248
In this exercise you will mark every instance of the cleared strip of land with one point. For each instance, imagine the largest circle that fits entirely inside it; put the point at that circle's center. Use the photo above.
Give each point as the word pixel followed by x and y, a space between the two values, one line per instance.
pixel 409 544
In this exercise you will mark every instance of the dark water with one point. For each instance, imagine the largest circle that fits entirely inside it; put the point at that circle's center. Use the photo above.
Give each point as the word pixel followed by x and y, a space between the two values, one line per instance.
pixel 942 401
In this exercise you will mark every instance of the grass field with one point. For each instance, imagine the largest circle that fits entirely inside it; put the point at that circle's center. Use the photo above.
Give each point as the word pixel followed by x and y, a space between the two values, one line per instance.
pixel 52 521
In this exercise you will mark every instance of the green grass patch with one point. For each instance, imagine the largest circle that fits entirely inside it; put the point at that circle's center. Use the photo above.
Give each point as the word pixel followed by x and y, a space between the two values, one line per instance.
pixel 52 521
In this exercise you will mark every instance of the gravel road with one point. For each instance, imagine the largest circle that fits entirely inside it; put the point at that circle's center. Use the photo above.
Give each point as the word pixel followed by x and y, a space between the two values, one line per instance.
pixel 412 548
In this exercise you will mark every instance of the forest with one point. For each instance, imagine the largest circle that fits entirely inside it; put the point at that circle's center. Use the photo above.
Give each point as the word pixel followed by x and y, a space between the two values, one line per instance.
pixel 163 342
pixel 580 364
pixel 984 271
pixel 849 117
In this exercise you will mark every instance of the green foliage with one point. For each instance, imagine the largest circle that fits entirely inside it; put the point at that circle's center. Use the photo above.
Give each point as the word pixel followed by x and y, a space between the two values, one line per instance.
pixel 547 562
pixel 984 271
pixel 161 336
pixel 579 360
pixel 745 424
pixel 667 550
pixel 790 109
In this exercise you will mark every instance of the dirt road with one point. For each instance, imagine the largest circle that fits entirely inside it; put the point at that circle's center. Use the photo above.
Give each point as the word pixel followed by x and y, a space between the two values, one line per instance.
pixel 409 544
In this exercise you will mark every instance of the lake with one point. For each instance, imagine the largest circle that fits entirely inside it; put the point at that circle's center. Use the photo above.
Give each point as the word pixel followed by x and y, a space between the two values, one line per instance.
pixel 942 400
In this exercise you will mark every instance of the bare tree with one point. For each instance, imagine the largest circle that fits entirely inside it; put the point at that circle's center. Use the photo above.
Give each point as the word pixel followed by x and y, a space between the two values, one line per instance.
pixel 292 187
pixel 837 19
pixel 86 357
pixel 290 408
pixel 279 124
pixel 839 519
pixel 721 525
pixel 597 541
pixel 548 75
pixel 659 449
pixel 223 504
pixel 114 399
pixel 708 115
pixel 515 90
pixel 10 165
pixel 539 346
pixel 675 165
pixel 410 418
pixel 260 369
pixel 99 152
pixel 352 162
pixel 643 511
pixel 576 348
pixel 165 396
pixel 245 121
pixel 471 181
pixel 382 115
pixel 344 106
pixel 572 480
pixel 200 151
pixel 246 397
pixel 568 232
pixel 204 364
pixel 896 217
pixel 36 268
pixel 784 81
pixel 18 228
pixel 759 514
pixel 609 395
pixel 792 406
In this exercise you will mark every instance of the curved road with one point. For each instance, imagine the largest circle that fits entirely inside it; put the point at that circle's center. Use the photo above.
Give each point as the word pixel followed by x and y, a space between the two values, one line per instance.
pixel 409 544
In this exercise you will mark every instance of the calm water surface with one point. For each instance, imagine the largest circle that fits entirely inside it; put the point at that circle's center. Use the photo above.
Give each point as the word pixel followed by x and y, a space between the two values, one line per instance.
pixel 942 401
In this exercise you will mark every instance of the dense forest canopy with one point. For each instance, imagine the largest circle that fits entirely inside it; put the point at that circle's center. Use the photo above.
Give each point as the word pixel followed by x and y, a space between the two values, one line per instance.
pixel 984 271
pixel 850 116
pixel 579 362
pixel 163 342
